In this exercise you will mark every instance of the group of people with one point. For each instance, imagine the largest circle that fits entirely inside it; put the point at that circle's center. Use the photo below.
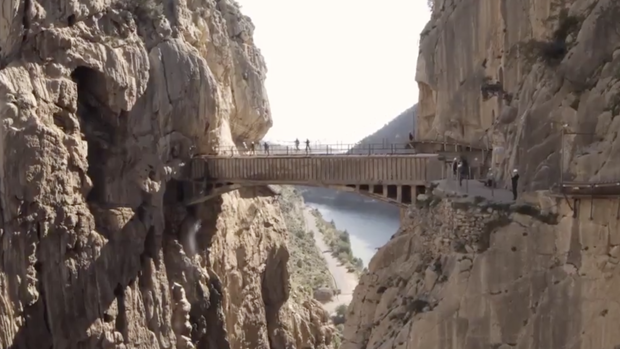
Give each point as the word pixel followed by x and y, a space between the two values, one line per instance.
pixel 460 169
pixel 267 149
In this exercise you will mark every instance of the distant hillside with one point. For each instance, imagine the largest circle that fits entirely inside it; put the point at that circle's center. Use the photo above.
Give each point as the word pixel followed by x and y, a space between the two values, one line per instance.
pixel 394 132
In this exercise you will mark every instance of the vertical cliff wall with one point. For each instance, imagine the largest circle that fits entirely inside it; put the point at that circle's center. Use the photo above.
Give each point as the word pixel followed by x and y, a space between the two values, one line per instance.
pixel 101 103
pixel 511 74
pixel 469 273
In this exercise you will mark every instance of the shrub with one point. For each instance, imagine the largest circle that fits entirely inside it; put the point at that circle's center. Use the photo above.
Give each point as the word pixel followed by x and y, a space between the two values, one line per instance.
pixel 337 342
pixel 343 256
pixel 553 50
pixel 343 247
pixel 340 317
pixel 358 263
pixel 490 89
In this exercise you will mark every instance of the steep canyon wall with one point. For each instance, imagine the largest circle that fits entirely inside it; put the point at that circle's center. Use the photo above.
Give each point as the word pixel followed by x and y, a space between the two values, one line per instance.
pixel 542 273
pixel 468 273
pixel 512 74
pixel 102 102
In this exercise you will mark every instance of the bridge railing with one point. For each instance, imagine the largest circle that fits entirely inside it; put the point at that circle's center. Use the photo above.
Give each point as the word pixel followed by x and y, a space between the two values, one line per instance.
pixel 313 149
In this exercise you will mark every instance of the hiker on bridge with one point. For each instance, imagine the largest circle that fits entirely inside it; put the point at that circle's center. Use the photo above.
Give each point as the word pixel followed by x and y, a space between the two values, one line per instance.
pixel 307 146
pixel 410 144
pixel 252 148
pixel 297 144
pixel 266 146
pixel 463 169
pixel 455 165
pixel 490 181
pixel 515 182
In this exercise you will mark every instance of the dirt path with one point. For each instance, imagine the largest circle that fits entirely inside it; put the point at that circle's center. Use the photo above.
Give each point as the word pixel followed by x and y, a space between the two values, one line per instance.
pixel 345 281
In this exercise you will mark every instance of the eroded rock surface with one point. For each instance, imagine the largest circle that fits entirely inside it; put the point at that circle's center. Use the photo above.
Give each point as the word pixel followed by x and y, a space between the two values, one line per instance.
pixel 511 73
pixel 470 274
pixel 101 104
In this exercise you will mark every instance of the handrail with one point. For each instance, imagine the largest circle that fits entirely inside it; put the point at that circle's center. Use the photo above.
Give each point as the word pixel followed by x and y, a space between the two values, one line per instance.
pixel 314 149
pixel 590 184
pixel 452 143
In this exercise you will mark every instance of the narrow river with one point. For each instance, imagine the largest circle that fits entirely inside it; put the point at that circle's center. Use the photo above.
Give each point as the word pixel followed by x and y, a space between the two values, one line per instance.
pixel 369 227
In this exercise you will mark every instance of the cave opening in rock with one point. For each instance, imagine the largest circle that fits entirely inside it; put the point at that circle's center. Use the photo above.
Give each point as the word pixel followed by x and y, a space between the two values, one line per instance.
pixel 94 116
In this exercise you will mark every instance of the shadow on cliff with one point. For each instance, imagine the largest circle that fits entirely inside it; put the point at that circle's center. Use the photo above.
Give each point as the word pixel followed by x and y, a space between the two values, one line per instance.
pixel 78 282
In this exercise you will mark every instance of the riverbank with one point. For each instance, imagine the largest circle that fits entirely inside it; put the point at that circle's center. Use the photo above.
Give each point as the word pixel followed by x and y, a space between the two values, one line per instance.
pixel 307 267
pixel 338 242
pixel 368 230
pixel 345 279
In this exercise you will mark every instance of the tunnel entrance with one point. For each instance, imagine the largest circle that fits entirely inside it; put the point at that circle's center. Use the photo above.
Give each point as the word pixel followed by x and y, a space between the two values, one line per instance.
pixel 95 118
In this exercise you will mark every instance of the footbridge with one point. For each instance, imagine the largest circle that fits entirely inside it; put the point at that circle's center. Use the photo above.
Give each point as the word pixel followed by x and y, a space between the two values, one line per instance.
pixel 386 173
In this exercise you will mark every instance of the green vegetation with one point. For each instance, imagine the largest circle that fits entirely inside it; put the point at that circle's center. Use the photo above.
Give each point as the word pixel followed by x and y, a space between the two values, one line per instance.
pixel 306 264
pixel 339 319
pixel 341 315
pixel 553 50
pixel 339 244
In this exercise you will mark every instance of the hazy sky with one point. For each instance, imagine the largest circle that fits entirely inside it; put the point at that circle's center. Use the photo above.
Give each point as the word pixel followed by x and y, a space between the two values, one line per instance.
pixel 338 69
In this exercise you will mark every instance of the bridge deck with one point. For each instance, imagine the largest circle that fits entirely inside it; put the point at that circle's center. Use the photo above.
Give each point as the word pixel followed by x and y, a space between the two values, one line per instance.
pixel 394 178
pixel 319 170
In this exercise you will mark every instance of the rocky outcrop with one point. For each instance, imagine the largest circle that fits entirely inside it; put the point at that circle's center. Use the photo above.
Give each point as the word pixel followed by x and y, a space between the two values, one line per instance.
pixel 101 103
pixel 469 273
pixel 512 74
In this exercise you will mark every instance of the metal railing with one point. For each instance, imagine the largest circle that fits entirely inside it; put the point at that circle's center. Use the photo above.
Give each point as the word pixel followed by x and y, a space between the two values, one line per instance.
pixel 315 150
pixel 451 143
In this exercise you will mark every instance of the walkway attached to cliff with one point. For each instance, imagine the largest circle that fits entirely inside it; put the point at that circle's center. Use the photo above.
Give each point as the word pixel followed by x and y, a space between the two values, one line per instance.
pixel 393 173
pixel 475 188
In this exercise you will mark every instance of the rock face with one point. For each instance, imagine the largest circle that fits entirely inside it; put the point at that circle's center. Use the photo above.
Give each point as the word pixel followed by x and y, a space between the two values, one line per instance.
pixel 512 73
pixel 101 102
pixel 469 274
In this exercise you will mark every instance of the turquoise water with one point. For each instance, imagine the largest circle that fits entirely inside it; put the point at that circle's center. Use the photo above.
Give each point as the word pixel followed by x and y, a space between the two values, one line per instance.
pixel 368 229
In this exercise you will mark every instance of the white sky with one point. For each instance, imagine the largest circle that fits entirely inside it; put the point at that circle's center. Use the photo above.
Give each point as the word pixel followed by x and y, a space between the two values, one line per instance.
pixel 338 69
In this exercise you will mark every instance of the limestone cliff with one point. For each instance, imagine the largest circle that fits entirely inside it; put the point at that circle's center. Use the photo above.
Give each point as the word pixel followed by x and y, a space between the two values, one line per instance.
pixel 102 101
pixel 512 73
pixel 468 273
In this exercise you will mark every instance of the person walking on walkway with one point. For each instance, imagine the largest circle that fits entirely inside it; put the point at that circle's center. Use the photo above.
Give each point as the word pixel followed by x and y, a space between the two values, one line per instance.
pixel 307 146
pixel 297 144
pixel 455 166
pixel 463 169
pixel 266 146
pixel 515 183
pixel 252 148
pixel 490 182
